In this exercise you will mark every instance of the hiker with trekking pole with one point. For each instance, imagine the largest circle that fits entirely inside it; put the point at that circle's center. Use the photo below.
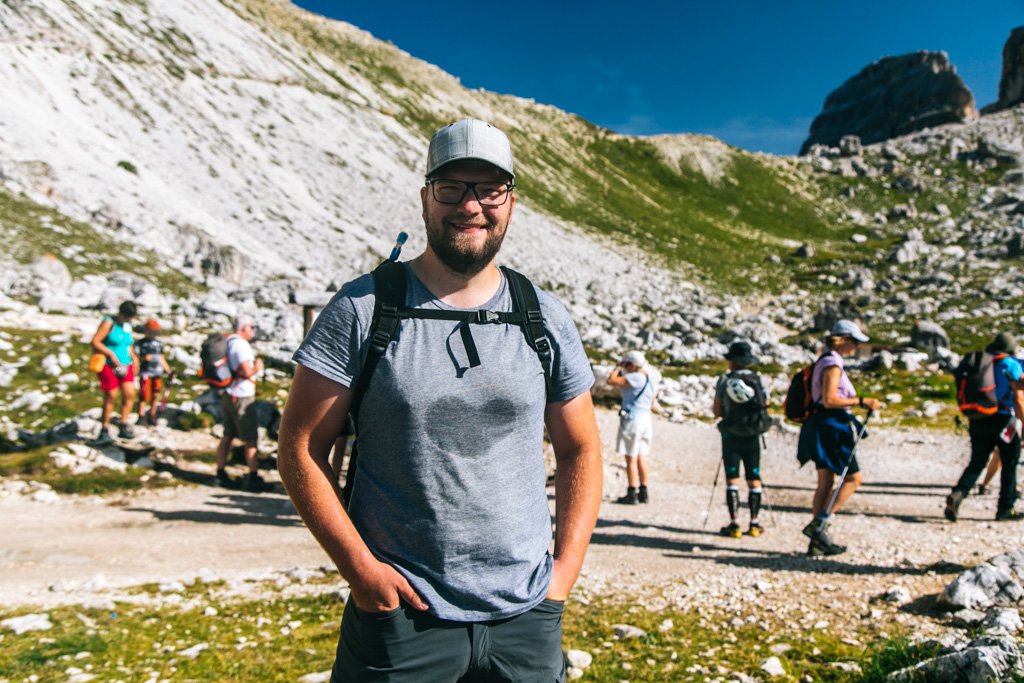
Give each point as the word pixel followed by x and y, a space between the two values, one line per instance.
pixel 990 393
pixel 741 401
pixel 830 434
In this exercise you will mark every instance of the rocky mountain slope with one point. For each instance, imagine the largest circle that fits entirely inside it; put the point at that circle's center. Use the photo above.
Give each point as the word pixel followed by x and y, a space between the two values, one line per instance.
pixel 220 155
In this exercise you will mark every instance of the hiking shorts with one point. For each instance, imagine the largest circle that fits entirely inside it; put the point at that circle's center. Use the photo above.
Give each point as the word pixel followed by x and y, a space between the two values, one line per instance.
pixel 240 417
pixel 405 645
pixel 150 387
pixel 635 435
pixel 110 381
pixel 745 449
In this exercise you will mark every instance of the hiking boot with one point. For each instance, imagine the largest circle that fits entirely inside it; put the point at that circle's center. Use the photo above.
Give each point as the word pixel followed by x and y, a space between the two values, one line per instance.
pixel 811 530
pixel 982 489
pixel 818 548
pixel 1009 515
pixel 103 438
pixel 631 498
pixel 223 480
pixel 732 531
pixel 953 501
pixel 255 484
pixel 125 431
pixel 642 496
pixel 755 530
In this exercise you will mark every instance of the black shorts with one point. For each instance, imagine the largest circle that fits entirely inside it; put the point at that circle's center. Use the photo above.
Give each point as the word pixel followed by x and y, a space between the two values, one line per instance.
pixel 745 449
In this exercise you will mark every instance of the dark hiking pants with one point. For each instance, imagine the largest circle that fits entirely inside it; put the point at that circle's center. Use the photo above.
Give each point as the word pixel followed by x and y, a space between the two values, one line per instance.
pixel 985 437
pixel 407 646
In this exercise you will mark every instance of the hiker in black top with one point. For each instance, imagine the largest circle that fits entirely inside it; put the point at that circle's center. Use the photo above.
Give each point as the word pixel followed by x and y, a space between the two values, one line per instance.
pixel 741 401
pixel 1000 428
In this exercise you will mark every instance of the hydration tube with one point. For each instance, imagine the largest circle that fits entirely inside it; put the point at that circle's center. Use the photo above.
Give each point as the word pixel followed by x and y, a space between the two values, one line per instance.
pixel 397 249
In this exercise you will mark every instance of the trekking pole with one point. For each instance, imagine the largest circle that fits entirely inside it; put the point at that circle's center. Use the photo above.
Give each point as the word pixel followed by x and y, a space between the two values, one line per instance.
pixel 842 477
pixel 767 503
pixel 167 393
pixel 707 513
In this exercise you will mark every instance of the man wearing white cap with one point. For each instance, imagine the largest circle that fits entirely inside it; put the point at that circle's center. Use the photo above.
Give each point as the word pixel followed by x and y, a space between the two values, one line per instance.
pixel 445 541
pixel 638 384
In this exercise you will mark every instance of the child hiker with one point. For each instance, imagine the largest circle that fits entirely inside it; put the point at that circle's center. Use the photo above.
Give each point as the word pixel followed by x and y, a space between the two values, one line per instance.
pixel 152 368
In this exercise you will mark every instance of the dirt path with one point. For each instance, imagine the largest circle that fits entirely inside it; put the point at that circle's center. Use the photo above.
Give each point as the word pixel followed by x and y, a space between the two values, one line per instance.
pixel 659 553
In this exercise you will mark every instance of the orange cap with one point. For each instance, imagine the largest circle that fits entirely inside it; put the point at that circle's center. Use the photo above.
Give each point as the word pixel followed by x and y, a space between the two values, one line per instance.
pixel 152 325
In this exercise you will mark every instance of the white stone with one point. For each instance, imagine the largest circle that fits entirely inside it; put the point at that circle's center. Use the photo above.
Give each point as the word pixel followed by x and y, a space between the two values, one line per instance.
pixel 193 652
pixel 625 631
pixel 320 677
pixel 579 658
pixel 28 622
pixel 773 667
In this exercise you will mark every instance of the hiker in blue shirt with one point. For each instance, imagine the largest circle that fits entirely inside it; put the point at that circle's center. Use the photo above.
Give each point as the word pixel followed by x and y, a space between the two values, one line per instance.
pixel 1000 430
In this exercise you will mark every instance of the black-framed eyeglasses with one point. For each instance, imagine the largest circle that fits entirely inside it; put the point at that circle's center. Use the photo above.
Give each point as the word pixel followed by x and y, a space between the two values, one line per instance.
pixel 488 193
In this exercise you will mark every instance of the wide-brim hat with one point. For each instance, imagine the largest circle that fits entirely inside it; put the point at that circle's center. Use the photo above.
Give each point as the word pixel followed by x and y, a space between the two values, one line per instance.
pixel 740 352
pixel 1003 343
pixel 470 139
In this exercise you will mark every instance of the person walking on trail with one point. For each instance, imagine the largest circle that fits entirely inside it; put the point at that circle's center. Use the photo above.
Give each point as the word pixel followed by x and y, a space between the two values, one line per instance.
pixel 445 537
pixel 112 342
pixel 152 369
pixel 830 435
pixel 999 429
pixel 639 386
pixel 741 401
pixel 238 405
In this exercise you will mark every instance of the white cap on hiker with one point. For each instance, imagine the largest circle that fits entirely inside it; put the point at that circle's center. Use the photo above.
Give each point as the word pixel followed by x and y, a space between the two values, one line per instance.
pixel 243 321
pixel 848 328
pixel 470 139
pixel 635 358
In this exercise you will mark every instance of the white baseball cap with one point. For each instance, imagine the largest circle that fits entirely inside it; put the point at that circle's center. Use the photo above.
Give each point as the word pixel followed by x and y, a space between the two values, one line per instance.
pixel 470 139
pixel 635 358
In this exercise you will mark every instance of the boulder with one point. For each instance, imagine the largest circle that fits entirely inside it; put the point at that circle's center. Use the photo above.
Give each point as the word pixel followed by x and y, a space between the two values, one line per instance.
pixel 892 97
pixel 1011 84
pixel 994 583
pixel 983 660
pixel 928 336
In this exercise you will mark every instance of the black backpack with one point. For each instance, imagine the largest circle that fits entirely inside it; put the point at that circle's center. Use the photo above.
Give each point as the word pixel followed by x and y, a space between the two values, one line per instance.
pixel 389 281
pixel 213 359
pixel 976 385
pixel 749 418
pixel 799 403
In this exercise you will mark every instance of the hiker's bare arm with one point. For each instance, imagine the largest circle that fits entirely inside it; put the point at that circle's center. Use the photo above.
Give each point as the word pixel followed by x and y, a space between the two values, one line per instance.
pixel 573 431
pixel 135 358
pixel 1018 403
pixel 616 379
pixel 247 369
pixel 313 418
pixel 97 340
pixel 830 393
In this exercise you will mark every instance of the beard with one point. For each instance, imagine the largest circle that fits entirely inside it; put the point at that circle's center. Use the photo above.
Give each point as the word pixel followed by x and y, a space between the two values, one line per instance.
pixel 460 253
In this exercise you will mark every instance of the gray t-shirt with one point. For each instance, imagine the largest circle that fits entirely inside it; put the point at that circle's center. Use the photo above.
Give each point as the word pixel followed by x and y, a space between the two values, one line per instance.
pixel 450 482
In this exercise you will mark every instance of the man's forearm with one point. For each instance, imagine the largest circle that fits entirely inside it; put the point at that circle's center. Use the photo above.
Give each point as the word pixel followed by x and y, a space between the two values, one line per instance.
pixel 577 500
pixel 316 498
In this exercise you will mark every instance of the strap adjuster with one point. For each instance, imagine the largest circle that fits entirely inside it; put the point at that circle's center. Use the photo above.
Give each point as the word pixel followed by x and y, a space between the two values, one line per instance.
pixel 484 317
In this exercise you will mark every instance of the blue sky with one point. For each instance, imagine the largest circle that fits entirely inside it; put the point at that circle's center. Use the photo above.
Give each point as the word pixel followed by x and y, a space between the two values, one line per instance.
pixel 752 73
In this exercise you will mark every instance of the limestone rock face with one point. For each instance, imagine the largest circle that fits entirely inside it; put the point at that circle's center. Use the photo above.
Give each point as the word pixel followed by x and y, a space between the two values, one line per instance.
pixel 891 97
pixel 1011 84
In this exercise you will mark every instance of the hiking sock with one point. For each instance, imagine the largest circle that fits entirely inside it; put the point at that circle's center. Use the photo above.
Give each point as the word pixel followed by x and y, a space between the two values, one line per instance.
pixel 754 503
pixel 732 499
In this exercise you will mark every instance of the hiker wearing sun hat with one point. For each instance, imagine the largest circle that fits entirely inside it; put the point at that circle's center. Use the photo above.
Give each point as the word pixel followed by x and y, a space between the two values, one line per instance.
pixel 451 368
pixel 639 385
pixel 990 392
pixel 830 435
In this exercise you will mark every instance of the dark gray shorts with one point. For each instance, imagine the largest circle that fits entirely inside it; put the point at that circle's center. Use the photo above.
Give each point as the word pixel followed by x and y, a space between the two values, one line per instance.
pixel 405 645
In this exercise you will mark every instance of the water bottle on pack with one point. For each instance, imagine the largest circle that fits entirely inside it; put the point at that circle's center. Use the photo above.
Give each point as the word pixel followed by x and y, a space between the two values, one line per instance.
pixel 1010 430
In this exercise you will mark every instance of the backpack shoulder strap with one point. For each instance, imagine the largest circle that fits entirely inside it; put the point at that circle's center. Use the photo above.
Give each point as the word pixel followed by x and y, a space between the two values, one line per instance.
pixel 389 296
pixel 524 300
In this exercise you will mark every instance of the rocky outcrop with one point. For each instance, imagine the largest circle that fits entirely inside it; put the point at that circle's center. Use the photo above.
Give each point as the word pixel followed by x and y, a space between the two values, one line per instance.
pixel 1011 85
pixel 891 97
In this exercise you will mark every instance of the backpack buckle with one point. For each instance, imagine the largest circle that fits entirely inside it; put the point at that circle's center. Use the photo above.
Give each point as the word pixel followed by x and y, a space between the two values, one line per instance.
pixel 534 317
pixel 484 317
pixel 542 345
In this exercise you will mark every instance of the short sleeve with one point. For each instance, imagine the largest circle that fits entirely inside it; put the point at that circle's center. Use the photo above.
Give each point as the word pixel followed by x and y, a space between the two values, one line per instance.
pixel 571 373
pixel 333 347
pixel 1013 369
